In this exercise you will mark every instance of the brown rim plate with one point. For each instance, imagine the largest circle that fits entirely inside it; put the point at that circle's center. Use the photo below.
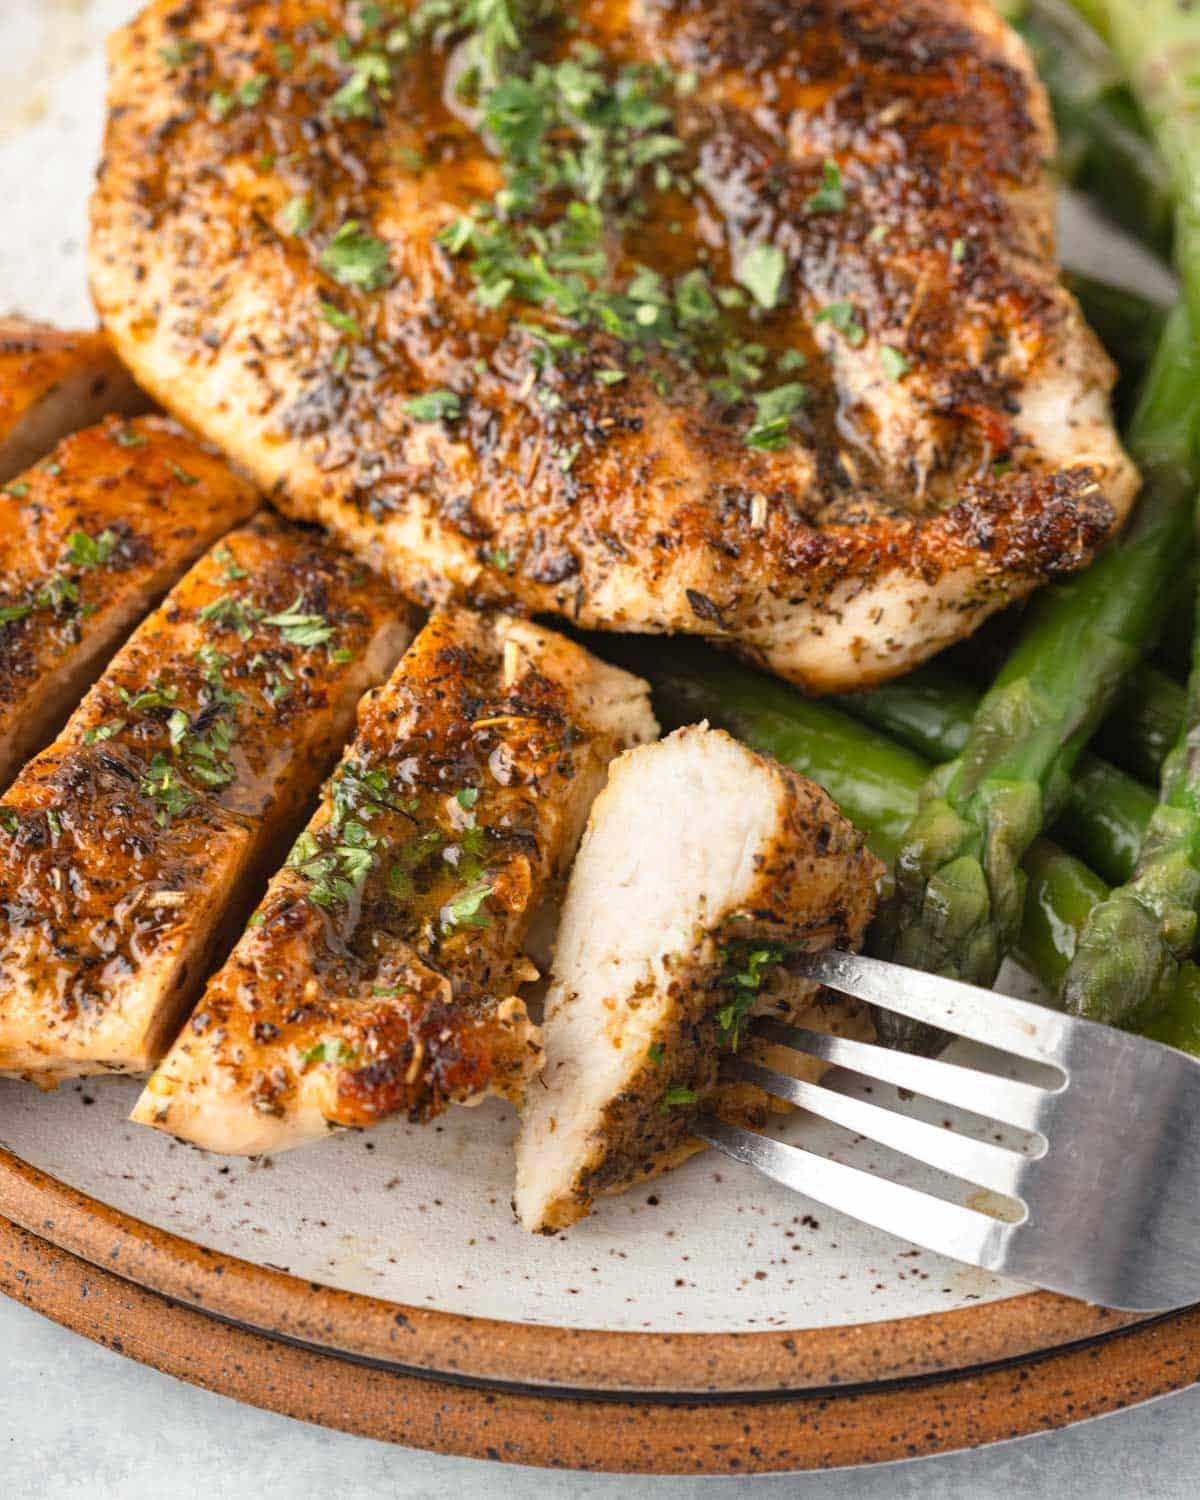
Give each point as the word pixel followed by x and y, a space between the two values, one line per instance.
pixel 899 1420
pixel 431 1341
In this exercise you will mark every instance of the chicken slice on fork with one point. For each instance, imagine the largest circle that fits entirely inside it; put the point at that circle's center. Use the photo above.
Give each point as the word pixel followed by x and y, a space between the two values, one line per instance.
pixel 53 383
pixel 381 974
pixel 90 540
pixel 740 318
pixel 702 866
pixel 132 848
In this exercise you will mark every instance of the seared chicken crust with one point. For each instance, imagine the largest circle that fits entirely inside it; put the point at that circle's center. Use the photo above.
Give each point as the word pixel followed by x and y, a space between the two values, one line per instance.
pixel 53 383
pixel 90 540
pixel 702 866
pixel 381 974
pixel 955 448
pixel 131 849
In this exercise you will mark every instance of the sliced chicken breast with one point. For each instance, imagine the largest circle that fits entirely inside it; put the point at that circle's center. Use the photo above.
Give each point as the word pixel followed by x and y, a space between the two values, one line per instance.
pixel 90 540
pixel 703 866
pixel 381 974
pixel 53 383
pixel 132 848
pixel 776 352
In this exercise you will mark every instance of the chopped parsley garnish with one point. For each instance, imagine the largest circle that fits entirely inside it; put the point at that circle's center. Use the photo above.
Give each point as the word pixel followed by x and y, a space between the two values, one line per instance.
pixel 339 1051
pixel 297 626
pixel 233 614
pixel 183 476
pixel 581 143
pixel 369 81
pixel 250 92
pixel 434 406
pixel 336 874
pixel 161 781
pixel 676 1097
pixel 467 797
pixel 746 966
pixel 300 629
pixel 761 271
pixel 958 249
pixel 655 1053
pixel 895 365
pixel 340 320
pixel 844 317
pixel 204 751
pixel 465 910
pixel 82 554
pixel 773 411
pixel 830 197
pixel 695 305
pixel 18 491
pixel 231 572
pixel 157 695
pixel 101 732
pixel 296 214
pixel 220 105
pixel 127 438
pixel 87 552
pixel 176 54
pixel 355 258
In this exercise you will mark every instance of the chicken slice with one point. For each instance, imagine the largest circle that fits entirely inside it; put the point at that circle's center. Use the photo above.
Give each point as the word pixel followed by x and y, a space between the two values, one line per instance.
pixel 933 436
pixel 132 848
pixel 381 973
pixel 53 383
pixel 702 866
pixel 90 541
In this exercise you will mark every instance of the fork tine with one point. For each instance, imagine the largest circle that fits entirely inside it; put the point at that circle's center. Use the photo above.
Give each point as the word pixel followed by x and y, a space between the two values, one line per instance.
pixel 1020 1104
pixel 963 1233
pixel 979 1162
pixel 1017 1026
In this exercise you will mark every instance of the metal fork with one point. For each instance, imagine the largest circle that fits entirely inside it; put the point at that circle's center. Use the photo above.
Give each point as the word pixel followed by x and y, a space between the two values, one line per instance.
pixel 1104 1196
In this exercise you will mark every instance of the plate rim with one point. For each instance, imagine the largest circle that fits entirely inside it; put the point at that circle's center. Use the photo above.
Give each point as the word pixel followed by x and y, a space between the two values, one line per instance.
pixel 434 1341
pixel 741 1435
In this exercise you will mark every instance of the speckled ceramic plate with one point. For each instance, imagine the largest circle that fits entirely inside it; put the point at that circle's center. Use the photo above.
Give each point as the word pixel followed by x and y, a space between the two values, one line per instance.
pixel 353 1281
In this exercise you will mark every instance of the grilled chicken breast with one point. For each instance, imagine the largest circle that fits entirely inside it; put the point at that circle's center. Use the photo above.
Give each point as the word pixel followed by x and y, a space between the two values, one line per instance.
pixel 53 383
pixel 702 865
pixel 381 973
pixel 90 540
pixel 760 337
pixel 132 848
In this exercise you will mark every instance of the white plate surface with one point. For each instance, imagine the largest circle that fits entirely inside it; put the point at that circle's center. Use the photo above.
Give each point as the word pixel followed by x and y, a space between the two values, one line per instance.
pixel 421 1215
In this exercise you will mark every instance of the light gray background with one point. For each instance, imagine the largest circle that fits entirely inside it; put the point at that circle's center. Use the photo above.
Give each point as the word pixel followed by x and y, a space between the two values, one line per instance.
pixel 77 1421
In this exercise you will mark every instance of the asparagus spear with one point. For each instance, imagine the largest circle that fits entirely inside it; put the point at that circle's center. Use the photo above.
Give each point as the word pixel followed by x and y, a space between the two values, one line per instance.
pixel 1175 644
pixel 1103 148
pixel 959 891
pixel 1155 43
pixel 1105 812
pixel 1131 947
pixel 1128 957
pixel 1145 722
